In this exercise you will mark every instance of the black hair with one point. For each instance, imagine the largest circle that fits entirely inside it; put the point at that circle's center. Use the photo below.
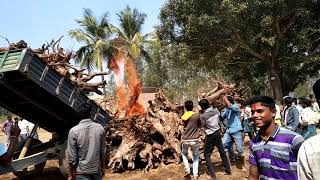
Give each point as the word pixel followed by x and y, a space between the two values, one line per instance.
pixel 316 89
pixel 300 99
pixel 288 100
pixel 188 105
pixel 243 103
pixel 85 110
pixel 307 102
pixel 230 99
pixel 311 96
pixel 264 100
pixel 204 104
pixel 295 100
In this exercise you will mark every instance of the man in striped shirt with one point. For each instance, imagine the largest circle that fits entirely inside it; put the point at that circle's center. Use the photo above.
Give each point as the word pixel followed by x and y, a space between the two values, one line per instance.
pixel 274 150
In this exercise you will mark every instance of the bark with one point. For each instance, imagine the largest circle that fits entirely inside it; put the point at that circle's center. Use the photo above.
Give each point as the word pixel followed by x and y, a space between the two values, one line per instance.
pixel 148 140
pixel 274 80
pixel 102 79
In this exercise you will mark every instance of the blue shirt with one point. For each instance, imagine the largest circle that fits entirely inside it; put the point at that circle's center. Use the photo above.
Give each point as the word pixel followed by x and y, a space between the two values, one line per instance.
pixel 232 115
pixel 3 149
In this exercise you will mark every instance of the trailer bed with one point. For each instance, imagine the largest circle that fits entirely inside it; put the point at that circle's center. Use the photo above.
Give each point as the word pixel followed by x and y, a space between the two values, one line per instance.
pixel 36 92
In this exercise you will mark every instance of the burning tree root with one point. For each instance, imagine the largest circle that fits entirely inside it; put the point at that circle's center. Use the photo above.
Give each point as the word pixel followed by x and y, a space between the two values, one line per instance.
pixel 145 144
pixel 148 140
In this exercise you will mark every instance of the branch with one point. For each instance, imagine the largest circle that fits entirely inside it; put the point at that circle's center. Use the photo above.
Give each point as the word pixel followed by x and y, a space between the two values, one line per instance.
pixel 250 50
pixel 277 25
pixel 6 40
pixel 53 48
pixel 92 85
pixel 317 49
pixel 217 94
pixel 290 23
pixel 255 54
pixel 218 84
pixel 91 76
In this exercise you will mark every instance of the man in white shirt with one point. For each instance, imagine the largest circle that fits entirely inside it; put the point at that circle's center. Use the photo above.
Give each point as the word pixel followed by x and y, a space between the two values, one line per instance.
pixel 308 120
pixel 298 105
pixel 309 152
pixel 26 128
pixel 315 105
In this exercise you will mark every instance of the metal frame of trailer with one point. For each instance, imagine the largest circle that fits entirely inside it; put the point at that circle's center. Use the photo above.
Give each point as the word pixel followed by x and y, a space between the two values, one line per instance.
pixel 36 92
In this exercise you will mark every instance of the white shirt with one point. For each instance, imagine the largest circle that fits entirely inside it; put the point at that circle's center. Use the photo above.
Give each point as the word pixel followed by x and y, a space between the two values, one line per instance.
pixel 278 112
pixel 308 116
pixel 244 115
pixel 315 107
pixel 299 108
pixel 309 159
pixel 25 126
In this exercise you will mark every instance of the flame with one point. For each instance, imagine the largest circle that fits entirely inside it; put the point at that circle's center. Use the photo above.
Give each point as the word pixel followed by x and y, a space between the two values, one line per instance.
pixel 131 105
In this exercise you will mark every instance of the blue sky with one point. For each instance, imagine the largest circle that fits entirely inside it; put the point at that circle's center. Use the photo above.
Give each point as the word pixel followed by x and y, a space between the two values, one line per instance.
pixel 37 21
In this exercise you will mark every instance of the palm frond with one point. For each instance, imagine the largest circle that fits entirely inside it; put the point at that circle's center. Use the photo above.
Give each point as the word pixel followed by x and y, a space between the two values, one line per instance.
pixel 118 32
pixel 131 21
pixel 80 36
pixel 95 33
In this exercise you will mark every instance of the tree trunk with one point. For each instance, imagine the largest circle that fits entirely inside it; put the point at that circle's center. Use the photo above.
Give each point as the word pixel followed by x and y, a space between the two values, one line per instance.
pixel 274 80
pixel 102 80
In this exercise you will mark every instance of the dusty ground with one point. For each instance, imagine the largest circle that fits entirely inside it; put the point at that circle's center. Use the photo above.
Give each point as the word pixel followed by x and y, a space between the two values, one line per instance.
pixel 170 172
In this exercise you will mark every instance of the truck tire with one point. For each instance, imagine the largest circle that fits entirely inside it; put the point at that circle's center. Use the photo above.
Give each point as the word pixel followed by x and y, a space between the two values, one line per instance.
pixel 36 170
pixel 63 161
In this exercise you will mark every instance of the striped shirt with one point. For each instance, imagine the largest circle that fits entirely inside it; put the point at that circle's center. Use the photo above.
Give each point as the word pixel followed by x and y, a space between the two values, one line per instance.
pixel 276 157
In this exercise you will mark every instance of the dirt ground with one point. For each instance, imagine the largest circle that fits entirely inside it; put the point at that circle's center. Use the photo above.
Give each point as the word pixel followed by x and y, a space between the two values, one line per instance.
pixel 170 172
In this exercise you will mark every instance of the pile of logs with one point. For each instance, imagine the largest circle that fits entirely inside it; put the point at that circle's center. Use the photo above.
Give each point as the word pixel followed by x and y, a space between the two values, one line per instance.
pixel 215 91
pixel 59 59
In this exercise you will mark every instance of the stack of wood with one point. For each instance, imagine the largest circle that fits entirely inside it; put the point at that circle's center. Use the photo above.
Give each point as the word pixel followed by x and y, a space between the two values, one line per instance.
pixel 59 59
pixel 215 91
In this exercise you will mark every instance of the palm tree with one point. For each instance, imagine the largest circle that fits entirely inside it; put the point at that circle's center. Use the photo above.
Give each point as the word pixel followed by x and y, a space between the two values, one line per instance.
pixel 129 38
pixel 94 34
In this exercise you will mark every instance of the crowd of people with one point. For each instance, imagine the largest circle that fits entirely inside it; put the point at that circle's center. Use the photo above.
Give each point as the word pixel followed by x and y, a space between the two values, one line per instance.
pixel 24 126
pixel 86 145
pixel 283 137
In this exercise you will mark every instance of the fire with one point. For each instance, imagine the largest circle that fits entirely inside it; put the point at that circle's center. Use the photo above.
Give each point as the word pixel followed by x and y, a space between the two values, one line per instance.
pixel 129 100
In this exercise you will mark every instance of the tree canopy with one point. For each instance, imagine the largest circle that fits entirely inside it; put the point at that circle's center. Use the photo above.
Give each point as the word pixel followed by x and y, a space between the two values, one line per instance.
pixel 273 40
pixel 94 33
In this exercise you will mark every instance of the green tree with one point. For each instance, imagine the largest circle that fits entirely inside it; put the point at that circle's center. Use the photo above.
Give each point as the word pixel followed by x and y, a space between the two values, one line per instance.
pixel 154 71
pixel 129 38
pixel 144 50
pixel 273 39
pixel 94 34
